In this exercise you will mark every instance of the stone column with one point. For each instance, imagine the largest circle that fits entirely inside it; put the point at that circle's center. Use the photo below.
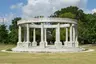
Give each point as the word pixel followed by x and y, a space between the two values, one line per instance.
pixel 58 44
pixel 76 40
pixel 19 34
pixel 42 44
pixel 74 35
pixel 27 43
pixel 34 43
pixel 27 32
pixel 25 35
pixel 66 42
pixel 45 36
pixel 19 43
pixel 70 43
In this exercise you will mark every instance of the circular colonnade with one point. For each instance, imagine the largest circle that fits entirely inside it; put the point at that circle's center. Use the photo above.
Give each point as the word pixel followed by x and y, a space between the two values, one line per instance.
pixel 71 43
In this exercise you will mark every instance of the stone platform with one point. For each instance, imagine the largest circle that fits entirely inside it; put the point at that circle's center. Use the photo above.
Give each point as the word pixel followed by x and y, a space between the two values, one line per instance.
pixel 48 49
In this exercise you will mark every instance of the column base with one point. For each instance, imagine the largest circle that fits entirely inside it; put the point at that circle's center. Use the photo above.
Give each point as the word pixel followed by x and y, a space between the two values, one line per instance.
pixel 19 44
pixel 66 43
pixel 42 44
pixel 34 43
pixel 27 44
pixel 71 44
pixel 76 44
pixel 46 43
pixel 58 45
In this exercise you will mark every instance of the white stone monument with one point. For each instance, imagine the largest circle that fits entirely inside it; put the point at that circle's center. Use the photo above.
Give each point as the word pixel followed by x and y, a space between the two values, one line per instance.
pixel 70 44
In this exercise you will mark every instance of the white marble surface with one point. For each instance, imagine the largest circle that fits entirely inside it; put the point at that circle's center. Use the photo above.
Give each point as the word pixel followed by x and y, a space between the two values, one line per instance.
pixel 48 49
pixel 39 20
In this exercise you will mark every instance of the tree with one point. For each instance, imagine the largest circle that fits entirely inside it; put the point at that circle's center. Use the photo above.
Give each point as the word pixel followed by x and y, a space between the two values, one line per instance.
pixel 72 10
pixel 89 32
pixel 67 15
pixel 94 13
pixel 3 34
pixel 13 35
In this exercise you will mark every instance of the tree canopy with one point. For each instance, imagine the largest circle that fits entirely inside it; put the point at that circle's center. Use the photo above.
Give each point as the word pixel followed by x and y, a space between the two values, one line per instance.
pixel 13 35
pixel 3 34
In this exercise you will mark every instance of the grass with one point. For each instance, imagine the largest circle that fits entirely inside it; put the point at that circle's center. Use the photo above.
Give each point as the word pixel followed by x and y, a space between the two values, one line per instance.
pixel 47 58
pixel 9 49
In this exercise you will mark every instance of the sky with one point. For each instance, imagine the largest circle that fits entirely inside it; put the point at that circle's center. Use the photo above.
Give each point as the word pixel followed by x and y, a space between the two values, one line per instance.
pixel 10 9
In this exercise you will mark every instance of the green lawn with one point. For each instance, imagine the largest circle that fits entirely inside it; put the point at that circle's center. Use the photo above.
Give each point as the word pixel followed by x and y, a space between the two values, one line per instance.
pixel 47 58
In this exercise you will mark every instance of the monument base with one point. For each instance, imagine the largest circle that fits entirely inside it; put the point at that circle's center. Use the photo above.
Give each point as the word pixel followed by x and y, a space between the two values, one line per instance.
pixel 50 49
